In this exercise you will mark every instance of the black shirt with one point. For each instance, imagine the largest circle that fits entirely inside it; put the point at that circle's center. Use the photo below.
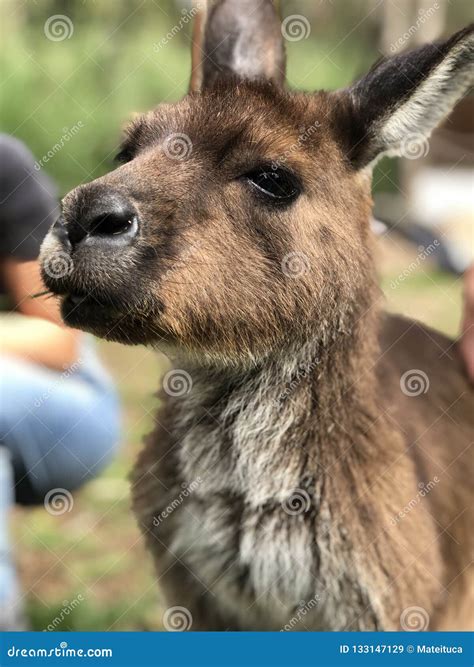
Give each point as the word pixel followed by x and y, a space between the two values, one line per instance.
pixel 28 204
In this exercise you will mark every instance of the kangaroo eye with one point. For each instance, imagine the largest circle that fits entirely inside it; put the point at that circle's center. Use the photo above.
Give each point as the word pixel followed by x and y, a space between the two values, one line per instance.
pixel 124 155
pixel 278 185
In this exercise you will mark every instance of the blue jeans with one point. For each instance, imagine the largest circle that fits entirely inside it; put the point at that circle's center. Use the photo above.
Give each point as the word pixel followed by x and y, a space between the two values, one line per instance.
pixel 57 430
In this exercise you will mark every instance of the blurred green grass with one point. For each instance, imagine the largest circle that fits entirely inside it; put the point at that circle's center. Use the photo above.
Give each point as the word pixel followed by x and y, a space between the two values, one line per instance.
pixel 84 81
pixel 111 67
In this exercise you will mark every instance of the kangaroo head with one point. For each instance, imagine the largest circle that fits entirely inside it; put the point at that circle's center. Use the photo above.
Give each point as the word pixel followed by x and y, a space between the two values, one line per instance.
pixel 238 220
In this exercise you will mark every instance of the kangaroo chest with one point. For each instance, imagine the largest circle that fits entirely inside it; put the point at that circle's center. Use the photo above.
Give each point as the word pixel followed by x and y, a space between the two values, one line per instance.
pixel 249 542
pixel 256 529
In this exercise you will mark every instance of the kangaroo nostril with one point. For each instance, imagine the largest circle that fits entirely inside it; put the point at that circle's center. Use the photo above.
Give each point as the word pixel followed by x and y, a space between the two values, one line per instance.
pixel 101 218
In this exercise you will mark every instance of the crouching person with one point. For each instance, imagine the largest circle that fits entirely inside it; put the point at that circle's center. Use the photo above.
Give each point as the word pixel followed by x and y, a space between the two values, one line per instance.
pixel 59 414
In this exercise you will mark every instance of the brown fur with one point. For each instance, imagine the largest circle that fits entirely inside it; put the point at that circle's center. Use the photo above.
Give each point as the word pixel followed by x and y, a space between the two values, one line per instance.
pixel 369 454
pixel 296 379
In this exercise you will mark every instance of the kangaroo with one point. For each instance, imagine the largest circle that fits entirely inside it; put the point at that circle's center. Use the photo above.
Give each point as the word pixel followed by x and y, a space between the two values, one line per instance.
pixel 309 468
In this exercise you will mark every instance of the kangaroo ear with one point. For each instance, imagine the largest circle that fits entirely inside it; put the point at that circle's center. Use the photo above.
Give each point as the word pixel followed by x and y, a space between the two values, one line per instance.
pixel 240 38
pixel 395 107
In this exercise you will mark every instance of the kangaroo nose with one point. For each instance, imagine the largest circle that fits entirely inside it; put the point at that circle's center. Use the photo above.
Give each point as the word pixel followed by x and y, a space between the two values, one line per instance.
pixel 108 219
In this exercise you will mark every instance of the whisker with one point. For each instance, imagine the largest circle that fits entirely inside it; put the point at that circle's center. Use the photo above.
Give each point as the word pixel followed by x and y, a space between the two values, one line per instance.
pixel 43 293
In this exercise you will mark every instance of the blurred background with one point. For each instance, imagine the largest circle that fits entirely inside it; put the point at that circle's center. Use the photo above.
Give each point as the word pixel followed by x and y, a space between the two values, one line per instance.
pixel 72 73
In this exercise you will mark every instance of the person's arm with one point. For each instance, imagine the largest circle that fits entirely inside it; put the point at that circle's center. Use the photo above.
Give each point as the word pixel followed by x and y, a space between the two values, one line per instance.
pixel 35 332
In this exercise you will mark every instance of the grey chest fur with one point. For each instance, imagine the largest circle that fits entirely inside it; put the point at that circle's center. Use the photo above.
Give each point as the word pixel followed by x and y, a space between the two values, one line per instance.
pixel 256 531
pixel 258 563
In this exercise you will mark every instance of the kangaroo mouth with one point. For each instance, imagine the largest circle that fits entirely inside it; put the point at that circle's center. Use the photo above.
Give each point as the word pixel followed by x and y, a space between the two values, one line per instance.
pixel 101 293
pixel 86 311
pixel 109 320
